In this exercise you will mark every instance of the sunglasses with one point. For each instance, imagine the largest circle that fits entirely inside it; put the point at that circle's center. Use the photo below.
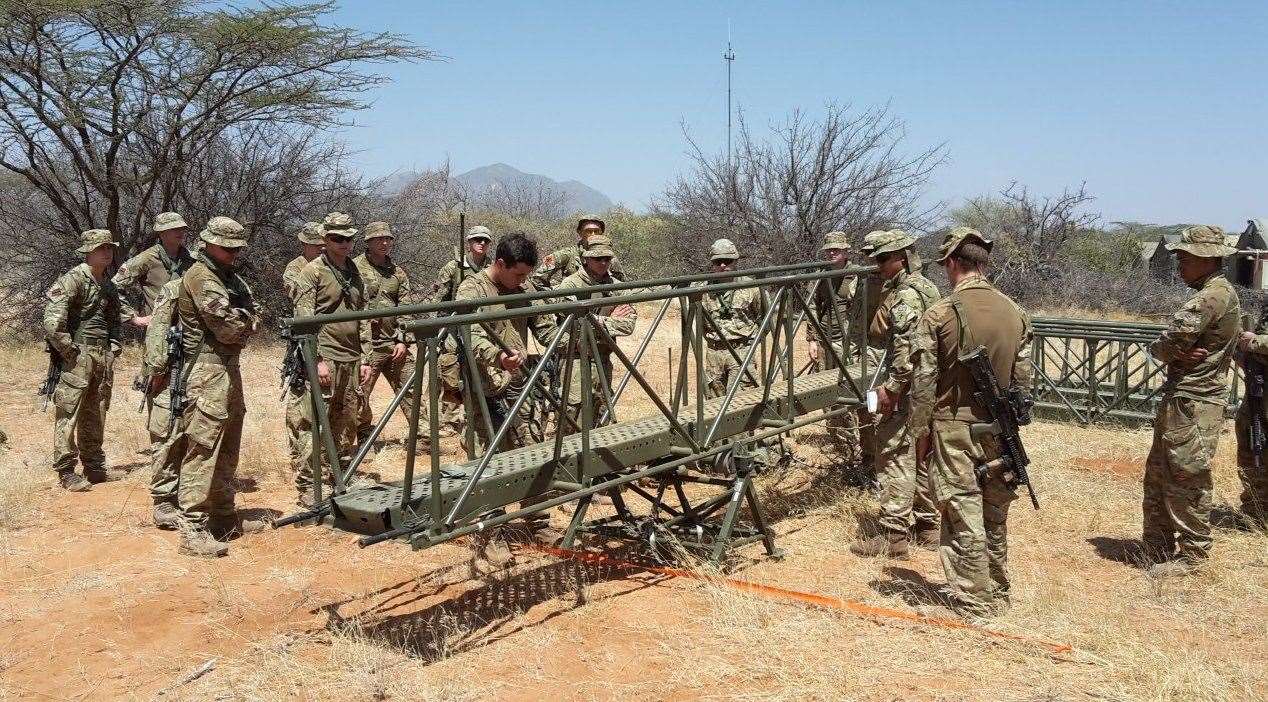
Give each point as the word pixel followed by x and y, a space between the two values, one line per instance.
pixel 480 240
pixel 339 239
pixel 604 259
pixel 724 261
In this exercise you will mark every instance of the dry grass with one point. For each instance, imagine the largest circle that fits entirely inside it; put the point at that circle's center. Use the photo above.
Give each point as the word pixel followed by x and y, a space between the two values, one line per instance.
pixel 95 603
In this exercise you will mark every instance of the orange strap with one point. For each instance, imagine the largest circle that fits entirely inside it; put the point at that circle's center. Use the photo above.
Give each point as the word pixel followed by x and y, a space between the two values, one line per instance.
pixel 779 593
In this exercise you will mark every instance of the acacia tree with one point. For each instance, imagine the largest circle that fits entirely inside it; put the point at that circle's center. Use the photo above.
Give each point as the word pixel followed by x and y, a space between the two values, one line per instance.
pixel 777 196
pixel 107 106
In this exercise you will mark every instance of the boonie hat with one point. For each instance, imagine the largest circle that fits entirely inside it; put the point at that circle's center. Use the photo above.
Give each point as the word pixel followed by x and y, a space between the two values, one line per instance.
pixel 378 230
pixel 224 231
pixel 310 233
pixel 93 238
pixel 836 240
pixel 339 224
pixel 1203 240
pixel 723 248
pixel 479 232
pixel 958 236
pixel 169 220
pixel 886 241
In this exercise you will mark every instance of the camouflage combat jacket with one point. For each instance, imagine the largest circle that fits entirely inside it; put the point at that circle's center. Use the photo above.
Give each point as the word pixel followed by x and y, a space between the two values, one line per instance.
pixel 81 311
pixel 1210 320
pixel 563 262
pixel 904 299
pixel 385 287
pixel 615 326
pixel 446 285
pixel 216 312
pixel 148 271
pixel 826 310
pixel 737 313
pixel 511 332
pixel 292 279
pixel 941 387
pixel 325 289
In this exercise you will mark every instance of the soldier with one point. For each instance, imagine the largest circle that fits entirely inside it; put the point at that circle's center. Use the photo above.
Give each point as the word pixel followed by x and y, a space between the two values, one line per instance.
pixel 81 324
pixel 736 314
pixel 1254 479
pixel 216 315
pixel 383 343
pixel 502 374
pixel 833 302
pixel 565 261
pixel 974 539
pixel 443 290
pixel 905 492
pixel 155 366
pixel 617 321
pixel 1197 347
pixel 299 411
pixel 332 283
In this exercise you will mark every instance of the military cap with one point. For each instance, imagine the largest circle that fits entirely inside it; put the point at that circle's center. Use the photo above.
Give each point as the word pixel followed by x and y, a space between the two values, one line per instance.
pixel 310 234
pixel 1203 240
pixel 479 232
pixel 958 236
pixel 93 238
pixel 886 241
pixel 598 246
pixel 169 220
pixel 224 231
pixel 836 240
pixel 378 230
pixel 591 219
pixel 723 248
pixel 339 224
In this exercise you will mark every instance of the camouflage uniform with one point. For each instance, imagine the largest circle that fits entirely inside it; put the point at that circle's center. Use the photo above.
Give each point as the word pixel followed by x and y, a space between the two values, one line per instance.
pixel 906 493
pixel 81 322
pixel 326 289
pixel 217 315
pixel 165 469
pixel 443 289
pixel 1177 484
pixel 974 538
pixel 386 287
pixel 737 314
pixel 499 385
pixel 565 261
pixel 1254 497
pixel 616 327
pixel 833 297
pixel 299 411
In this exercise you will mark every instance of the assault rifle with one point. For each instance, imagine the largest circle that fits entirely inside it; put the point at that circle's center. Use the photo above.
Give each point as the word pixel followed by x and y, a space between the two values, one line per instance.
pixel 53 377
pixel 1253 369
pixel 294 374
pixel 1009 410
pixel 176 373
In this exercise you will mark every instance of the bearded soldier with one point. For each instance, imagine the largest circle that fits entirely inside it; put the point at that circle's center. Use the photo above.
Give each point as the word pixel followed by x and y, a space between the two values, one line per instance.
pixel 1197 347
pixel 82 327
pixel 833 302
pixel 216 315
pixel 974 509
pixel 384 346
pixel 147 272
pixel 451 275
pixel 905 491
pixel 331 283
pixel 299 411
pixel 565 261
pixel 616 320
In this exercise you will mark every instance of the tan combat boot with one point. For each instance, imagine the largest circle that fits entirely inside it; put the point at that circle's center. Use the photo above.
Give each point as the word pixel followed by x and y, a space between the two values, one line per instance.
pixel 225 528
pixel 73 481
pixel 890 543
pixel 166 516
pixel 200 544
pixel 928 537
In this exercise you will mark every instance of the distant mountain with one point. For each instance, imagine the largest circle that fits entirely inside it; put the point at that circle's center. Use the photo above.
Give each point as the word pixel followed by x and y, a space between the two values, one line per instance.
pixel 578 197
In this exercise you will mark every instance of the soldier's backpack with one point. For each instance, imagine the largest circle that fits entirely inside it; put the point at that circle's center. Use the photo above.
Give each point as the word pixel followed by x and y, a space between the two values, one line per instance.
pixel 157 339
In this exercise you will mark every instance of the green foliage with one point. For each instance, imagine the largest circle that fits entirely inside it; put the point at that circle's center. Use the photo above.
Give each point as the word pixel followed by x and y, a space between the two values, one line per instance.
pixel 1111 253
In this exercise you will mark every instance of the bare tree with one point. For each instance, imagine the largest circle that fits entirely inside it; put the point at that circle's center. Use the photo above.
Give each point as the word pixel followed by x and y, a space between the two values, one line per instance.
pixel 534 200
pixel 778 196
pixel 106 105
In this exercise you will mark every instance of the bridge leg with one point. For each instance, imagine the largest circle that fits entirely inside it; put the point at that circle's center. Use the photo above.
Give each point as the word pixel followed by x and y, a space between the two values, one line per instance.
pixel 728 522
pixel 578 518
pixel 759 522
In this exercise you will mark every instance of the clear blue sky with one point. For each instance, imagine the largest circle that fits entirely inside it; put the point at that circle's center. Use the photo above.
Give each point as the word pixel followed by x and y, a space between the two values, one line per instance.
pixel 1160 107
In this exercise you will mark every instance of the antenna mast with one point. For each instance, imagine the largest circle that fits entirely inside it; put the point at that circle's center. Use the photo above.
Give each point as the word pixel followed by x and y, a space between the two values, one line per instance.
pixel 729 57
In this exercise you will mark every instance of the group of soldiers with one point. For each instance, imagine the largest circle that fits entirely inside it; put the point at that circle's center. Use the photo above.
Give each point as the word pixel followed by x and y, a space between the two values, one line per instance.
pixel 939 482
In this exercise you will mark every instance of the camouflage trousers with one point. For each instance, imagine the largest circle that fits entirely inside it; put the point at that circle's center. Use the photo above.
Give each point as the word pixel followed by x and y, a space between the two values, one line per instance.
pixel 906 493
pixel 974 539
pixel 207 441
pixel 517 435
pixel 1178 487
pixel 164 469
pixel 396 373
pixel 343 409
pixel 1254 480
pixel 80 404
pixel 598 404
pixel 299 434
pixel 721 369
pixel 851 434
